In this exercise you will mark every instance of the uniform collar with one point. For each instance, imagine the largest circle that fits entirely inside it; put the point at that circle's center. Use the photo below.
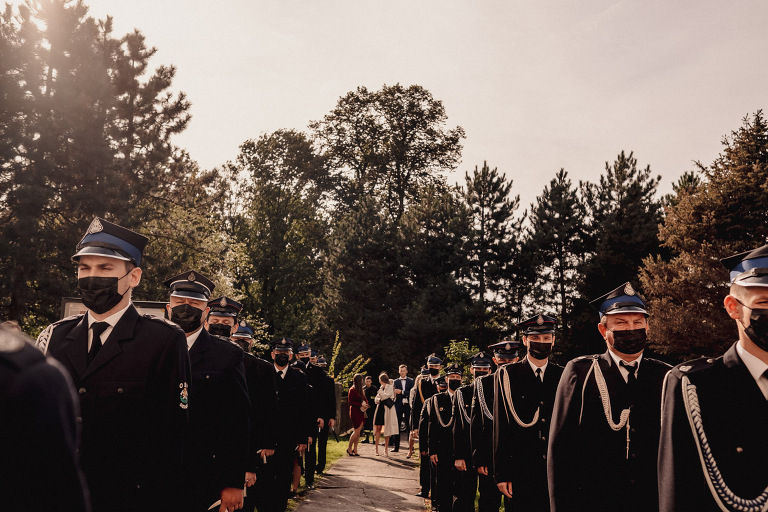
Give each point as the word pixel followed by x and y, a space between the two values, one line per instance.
pixel 111 319
pixel 755 366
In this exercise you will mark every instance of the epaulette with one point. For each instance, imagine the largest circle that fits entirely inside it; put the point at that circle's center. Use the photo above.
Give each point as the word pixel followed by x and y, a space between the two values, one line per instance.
pixel 582 358
pixel 45 336
pixel 695 365
pixel 160 319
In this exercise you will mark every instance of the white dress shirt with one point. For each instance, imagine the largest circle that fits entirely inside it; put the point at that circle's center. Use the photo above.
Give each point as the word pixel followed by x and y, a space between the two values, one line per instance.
pixel 624 372
pixel 756 367
pixel 111 320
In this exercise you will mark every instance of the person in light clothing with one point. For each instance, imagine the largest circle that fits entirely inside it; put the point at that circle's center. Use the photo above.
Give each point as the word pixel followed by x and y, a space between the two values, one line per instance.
pixel 385 420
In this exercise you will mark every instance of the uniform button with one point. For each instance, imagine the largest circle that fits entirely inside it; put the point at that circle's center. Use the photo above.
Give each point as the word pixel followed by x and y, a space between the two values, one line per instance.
pixel 710 360
pixel 138 486
pixel 634 455
pixel 81 391
pixel 544 457
pixel 633 430
pixel 120 390
pixel 207 376
pixel 543 438
pixel 79 419
pixel 739 449
pixel 541 403
pixel 214 455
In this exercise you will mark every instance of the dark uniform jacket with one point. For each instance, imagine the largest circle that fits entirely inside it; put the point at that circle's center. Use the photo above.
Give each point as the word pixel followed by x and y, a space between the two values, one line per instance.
pixel 294 422
pixel 421 392
pixel 216 456
pixel 328 388
pixel 732 414
pixel 262 392
pixel 481 428
pixel 462 410
pixel 433 436
pixel 588 465
pixel 520 452
pixel 133 403
pixel 38 432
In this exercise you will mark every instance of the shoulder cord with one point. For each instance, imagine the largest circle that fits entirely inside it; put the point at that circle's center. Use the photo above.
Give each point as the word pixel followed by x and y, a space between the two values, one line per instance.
pixel 605 398
pixel 421 394
pixel 460 402
pixel 723 495
pixel 508 399
pixel 483 405
pixel 437 413
pixel 44 338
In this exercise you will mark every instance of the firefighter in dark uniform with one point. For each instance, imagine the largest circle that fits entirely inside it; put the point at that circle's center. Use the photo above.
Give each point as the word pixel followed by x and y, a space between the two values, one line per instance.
pixel 38 431
pixel 465 488
pixel 425 388
pixel 222 321
pixel 481 426
pixel 214 459
pixel 436 437
pixel 293 425
pixel 715 410
pixel 318 403
pixel 525 395
pixel 131 373
pixel 603 448
pixel 327 391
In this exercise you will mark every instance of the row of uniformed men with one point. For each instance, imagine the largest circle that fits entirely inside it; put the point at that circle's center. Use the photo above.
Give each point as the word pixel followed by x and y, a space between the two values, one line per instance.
pixel 611 431
pixel 175 415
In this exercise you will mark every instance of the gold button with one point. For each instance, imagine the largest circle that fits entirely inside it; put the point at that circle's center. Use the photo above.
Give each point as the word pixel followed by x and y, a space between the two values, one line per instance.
pixel 81 391
pixel 120 390
pixel 739 449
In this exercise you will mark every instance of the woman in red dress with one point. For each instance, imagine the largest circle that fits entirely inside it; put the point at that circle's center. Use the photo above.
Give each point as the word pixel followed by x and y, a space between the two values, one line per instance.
pixel 358 404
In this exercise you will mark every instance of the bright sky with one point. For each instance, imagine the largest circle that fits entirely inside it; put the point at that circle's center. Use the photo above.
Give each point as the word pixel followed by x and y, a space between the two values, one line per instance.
pixel 537 84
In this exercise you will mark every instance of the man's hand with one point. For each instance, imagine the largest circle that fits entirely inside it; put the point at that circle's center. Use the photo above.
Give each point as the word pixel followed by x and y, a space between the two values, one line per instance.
pixel 250 478
pixel 398 391
pixel 332 422
pixel 301 449
pixel 266 452
pixel 483 470
pixel 320 423
pixel 309 441
pixel 460 465
pixel 231 499
pixel 424 454
pixel 505 488
pixel 433 458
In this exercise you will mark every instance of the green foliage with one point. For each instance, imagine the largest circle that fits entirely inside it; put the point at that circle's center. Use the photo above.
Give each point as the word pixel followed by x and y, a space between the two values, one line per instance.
pixel 493 245
pixel 555 246
pixel 459 352
pixel 725 214
pixel 353 367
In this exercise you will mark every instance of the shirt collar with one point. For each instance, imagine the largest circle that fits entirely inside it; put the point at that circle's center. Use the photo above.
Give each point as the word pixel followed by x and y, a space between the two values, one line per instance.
pixel 192 338
pixel 111 319
pixel 755 366
pixel 278 370
pixel 542 367
pixel 617 361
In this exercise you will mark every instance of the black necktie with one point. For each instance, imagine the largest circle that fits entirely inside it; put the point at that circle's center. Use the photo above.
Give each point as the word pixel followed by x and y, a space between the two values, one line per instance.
pixel 631 379
pixel 538 374
pixel 280 374
pixel 98 329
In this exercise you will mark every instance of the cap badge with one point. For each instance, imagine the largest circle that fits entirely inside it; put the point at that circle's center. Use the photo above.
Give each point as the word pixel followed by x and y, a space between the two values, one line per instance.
pixel 629 290
pixel 223 302
pixel 508 346
pixel 95 227
pixel 282 342
pixel 685 368
pixel 540 320
pixel 191 277
pixel 242 323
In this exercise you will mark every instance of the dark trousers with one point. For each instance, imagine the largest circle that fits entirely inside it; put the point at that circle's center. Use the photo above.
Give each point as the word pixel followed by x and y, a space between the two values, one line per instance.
pixel 424 478
pixel 442 495
pixel 490 495
pixel 465 490
pixel 322 442
pixel 310 462
pixel 274 489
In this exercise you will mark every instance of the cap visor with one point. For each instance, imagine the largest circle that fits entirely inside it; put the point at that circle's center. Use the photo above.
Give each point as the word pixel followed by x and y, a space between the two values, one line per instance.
pixel 99 251
pixel 189 295
pixel 627 309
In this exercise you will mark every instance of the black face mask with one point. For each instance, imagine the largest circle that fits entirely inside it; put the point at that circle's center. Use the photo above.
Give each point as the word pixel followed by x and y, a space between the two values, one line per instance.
pixel 454 384
pixel 479 374
pixel 100 294
pixel 282 359
pixel 304 360
pixel 434 371
pixel 630 341
pixel 540 350
pixel 758 326
pixel 186 317
pixel 243 345
pixel 220 330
